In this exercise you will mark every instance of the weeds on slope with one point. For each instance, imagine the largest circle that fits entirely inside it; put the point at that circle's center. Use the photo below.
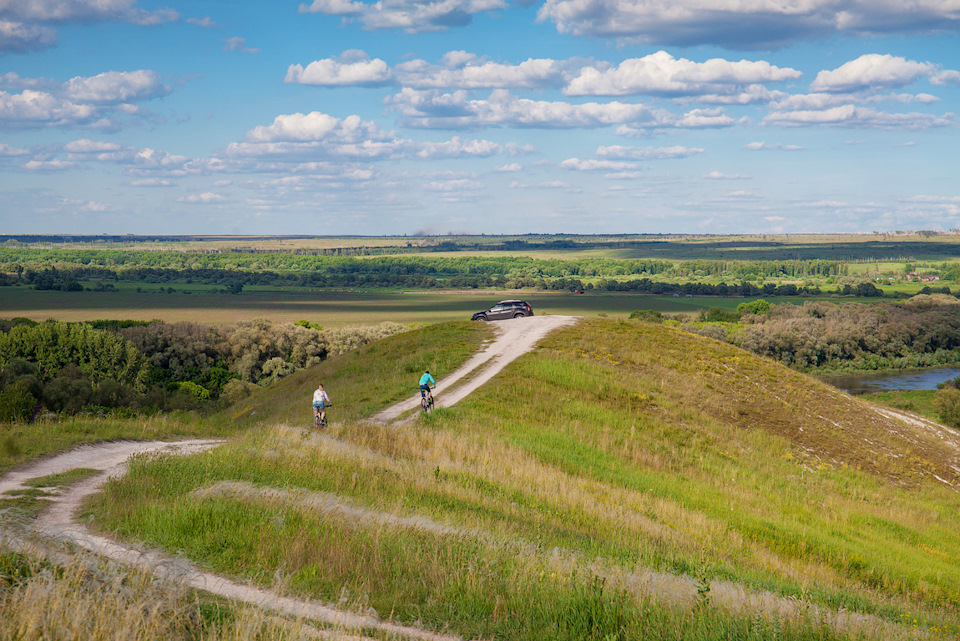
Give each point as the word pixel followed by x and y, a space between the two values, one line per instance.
pixel 473 586
pixel 85 598
pixel 500 564
pixel 20 442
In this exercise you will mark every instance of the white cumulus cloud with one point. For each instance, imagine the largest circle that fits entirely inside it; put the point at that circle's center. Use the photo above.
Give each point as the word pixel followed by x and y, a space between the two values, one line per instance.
pixel 433 109
pixel 857 117
pixel 16 37
pixel 662 74
pixel 95 102
pixel 764 146
pixel 754 24
pixel 412 16
pixel 205 198
pixel 25 25
pixel 348 69
pixel 596 165
pixel 647 153
pixel 876 71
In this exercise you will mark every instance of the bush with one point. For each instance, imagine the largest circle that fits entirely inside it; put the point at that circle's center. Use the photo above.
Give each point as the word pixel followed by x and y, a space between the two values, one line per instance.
pixel 68 392
pixel 719 315
pixel 717 332
pixel 197 391
pixel 17 404
pixel 647 315
pixel 758 307
pixel 236 390
pixel 947 403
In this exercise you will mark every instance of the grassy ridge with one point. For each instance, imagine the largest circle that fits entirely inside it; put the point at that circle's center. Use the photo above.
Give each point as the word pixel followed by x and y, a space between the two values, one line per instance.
pixel 362 382
pixel 614 449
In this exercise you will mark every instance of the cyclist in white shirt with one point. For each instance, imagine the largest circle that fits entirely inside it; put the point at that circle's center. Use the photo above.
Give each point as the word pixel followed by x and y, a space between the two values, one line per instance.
pixel 321 400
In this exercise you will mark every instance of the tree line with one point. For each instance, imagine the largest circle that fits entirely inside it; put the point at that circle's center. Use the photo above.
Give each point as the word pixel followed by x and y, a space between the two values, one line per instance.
pixel 369 275
pixel 42 265
pixel 823 337
pixel 156 366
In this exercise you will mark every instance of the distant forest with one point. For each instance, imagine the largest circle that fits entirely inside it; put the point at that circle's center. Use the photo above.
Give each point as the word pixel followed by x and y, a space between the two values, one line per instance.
pixel 64 269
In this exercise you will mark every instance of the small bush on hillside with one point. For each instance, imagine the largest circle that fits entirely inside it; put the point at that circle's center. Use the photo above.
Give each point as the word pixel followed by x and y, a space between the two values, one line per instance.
pixel 237 390
pixel 350 338
pixel 947 402
pixel 719 315
pixel 647 315
pixel 717 332
pixel 953 382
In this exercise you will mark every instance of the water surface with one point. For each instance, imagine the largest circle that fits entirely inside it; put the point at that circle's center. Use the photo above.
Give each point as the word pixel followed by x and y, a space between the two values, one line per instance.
pixel 917 379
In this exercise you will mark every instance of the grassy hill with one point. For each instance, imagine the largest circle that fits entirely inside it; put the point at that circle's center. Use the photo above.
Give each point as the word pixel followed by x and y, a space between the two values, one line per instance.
pixel 624 480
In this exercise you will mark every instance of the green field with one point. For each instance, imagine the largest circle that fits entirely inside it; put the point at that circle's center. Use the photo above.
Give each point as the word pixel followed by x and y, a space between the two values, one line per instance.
pixel 336 308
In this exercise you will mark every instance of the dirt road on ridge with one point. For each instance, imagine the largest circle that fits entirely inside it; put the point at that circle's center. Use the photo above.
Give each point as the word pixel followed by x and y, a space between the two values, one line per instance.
pixel 514 338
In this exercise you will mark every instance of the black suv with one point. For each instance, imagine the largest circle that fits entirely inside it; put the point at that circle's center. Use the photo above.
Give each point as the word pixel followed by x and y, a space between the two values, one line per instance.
pixel 505 309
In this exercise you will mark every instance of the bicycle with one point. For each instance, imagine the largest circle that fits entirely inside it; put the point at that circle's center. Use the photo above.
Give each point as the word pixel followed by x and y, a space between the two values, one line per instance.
pixel 426 400
pixel 317 421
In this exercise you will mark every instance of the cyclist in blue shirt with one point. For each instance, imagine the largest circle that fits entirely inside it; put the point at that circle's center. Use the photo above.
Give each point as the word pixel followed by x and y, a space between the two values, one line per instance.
pixel 425 381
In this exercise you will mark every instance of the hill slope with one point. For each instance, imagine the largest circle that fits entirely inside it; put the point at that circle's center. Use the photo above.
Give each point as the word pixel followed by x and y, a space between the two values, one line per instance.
pixel 624 478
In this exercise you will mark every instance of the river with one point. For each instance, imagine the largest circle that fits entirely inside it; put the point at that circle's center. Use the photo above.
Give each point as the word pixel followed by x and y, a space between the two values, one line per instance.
pixel 884 382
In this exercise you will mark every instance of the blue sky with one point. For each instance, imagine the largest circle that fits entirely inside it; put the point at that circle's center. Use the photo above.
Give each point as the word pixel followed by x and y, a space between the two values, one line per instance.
pixel 478 116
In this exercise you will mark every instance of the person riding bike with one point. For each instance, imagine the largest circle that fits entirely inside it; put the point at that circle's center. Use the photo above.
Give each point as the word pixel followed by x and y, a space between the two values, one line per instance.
pixel 321 400
pixel 425 381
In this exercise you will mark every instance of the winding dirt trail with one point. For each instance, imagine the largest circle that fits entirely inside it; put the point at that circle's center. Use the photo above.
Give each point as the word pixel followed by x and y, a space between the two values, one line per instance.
pixel 58 523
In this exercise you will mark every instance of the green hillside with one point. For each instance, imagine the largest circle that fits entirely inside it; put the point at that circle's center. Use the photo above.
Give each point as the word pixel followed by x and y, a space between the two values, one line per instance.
pixel 364 381
pixel 625 480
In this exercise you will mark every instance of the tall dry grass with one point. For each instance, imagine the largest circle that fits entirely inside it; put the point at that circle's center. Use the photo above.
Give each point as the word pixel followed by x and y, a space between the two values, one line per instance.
pixel 84 597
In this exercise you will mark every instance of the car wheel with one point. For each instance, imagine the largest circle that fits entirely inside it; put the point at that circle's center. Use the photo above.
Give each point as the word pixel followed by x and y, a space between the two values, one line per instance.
pixel 519 315
pixel 481 318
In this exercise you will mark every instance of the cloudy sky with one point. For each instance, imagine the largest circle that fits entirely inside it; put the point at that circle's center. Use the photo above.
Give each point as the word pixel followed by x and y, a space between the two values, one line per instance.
pixel 493 116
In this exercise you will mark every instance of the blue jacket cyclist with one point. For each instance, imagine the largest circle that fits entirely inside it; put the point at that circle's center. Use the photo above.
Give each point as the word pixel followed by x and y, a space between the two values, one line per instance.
pixel 425 382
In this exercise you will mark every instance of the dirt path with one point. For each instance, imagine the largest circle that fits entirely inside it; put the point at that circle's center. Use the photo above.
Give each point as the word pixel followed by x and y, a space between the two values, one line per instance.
pixel 514 338
pixel 58 523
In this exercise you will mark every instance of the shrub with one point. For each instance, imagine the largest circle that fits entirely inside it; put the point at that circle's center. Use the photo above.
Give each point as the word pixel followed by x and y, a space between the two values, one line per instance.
pixel 16 404
pixel 68 392
pixel 947 403
pixel 100 355
pixel 647 315
pixel 236 390
pixel 758 307
pixel 197 391
pixel 719 315
pixel 718 332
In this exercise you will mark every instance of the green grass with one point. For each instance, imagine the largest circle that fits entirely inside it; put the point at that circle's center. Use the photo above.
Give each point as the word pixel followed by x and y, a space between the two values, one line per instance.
pixel 445 581
pixel 616 445
pixel 918 401
pixel 366 380
pixel 21 443
pixel 62 479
